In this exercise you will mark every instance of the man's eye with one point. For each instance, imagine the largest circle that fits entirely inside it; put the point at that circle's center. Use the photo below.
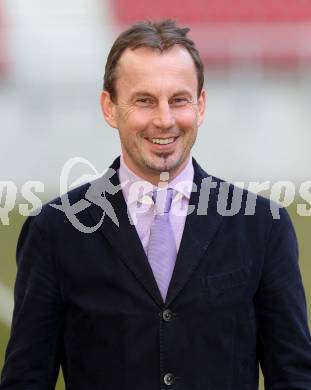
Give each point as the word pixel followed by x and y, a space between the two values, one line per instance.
pixel 144 102
pixel 180 101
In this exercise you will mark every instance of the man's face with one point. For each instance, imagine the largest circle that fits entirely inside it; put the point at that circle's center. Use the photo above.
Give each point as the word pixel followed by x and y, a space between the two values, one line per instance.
pixel 157 110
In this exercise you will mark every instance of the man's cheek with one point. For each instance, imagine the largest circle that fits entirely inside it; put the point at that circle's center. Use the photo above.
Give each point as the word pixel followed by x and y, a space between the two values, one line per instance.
pixel 188 119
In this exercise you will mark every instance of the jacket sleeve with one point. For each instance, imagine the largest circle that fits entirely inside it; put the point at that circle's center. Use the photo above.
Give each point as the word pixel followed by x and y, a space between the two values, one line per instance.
pixel 32 357
pixel 284 342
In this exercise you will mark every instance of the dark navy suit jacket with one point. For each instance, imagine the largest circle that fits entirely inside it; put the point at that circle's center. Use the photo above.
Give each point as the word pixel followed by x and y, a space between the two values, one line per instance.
pixel 90 303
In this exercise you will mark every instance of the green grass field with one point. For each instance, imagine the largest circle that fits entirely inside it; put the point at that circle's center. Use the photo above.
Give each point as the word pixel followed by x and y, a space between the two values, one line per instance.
pixel 9 235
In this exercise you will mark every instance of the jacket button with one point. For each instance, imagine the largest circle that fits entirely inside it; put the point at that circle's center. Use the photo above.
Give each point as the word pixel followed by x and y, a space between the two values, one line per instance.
pixel 169 379
pixel 167 315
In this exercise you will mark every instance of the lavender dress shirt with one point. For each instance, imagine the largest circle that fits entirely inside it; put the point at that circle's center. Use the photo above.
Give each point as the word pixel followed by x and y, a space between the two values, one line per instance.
pixel 138 196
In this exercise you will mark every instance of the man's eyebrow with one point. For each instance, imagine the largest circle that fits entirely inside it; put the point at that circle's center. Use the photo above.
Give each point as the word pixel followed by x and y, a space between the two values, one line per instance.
pixel 141 93
pixel 148 93
pixel 182 92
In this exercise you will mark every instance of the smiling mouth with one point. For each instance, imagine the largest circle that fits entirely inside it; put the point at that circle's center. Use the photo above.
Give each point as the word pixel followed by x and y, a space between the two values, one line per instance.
pixel 162 141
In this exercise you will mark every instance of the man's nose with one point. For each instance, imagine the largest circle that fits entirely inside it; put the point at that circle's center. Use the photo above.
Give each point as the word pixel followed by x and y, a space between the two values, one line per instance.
pixel 163 116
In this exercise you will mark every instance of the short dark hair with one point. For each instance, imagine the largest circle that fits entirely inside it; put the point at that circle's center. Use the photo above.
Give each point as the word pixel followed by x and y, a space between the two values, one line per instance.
pixel 160 35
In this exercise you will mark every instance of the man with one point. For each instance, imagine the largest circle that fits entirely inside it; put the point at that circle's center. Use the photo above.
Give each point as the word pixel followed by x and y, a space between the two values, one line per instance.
pixel 154 298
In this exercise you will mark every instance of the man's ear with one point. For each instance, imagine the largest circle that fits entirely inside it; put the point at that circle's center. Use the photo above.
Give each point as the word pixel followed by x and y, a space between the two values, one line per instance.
pixel 108 109
pixel 201 106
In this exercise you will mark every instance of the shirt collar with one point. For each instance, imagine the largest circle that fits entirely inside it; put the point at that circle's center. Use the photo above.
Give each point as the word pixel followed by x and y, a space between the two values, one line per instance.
pixel 182 183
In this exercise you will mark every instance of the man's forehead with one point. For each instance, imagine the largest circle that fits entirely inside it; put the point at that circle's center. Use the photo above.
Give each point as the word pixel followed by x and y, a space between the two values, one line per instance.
pixel 147 65
pixel 138 57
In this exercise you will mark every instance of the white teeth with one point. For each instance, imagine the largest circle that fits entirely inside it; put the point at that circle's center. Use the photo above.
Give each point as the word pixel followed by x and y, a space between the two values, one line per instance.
pixel 162 141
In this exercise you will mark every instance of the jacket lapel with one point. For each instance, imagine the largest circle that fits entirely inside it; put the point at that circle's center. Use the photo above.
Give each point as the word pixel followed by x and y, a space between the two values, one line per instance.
pixel 122 237
pixel 198 233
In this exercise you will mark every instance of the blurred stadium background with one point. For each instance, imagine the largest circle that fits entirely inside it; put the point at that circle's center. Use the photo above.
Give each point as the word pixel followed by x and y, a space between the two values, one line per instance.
pixel 52 54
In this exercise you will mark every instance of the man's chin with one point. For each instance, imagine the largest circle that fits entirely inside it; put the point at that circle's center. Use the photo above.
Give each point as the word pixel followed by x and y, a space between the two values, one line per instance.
pixel 159 167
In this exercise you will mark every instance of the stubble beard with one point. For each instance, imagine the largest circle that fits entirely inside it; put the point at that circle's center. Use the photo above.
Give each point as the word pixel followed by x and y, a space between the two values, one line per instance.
pixel 155 167
pixel 164 165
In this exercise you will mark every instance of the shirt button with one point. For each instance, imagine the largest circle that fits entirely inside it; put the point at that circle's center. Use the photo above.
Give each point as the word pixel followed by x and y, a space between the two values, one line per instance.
pixel 167 315
pixel 169 379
